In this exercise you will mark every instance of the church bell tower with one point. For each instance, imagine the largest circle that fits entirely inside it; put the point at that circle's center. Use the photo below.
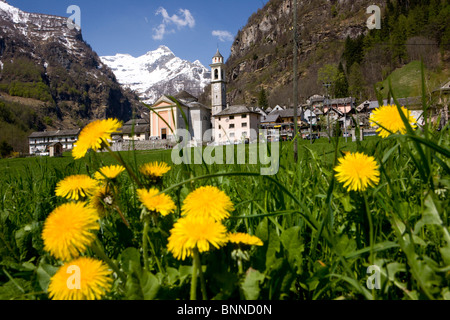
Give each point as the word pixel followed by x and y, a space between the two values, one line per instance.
pixel 218 84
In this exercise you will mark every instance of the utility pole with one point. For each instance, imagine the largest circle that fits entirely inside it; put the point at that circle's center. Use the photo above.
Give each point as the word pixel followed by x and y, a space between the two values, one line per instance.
pixel 327 85
pixel 310 124
pixel 295 84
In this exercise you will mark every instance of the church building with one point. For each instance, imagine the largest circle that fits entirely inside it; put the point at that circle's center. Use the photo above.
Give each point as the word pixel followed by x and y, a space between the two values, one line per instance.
pixel 229 124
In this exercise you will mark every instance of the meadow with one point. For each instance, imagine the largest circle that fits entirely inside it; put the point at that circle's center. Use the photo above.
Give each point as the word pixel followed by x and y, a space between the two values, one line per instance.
pixel 319 240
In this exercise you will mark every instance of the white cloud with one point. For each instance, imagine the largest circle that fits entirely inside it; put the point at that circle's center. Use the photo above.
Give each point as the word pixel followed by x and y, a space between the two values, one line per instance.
pixel 158 33
pixel 183 19
pixel 223 35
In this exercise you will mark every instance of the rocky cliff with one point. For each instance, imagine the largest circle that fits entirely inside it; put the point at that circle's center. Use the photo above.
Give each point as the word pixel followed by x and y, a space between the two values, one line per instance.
pixel 262 53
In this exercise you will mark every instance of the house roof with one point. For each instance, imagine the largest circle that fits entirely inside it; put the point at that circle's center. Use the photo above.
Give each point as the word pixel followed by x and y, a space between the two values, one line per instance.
pixel 334 110
pixel 363 105
pixel 239 109
pixel 136 122
pixel 347 100
pixel 261 111
pixel 444 87
pixel 316 98
pixel 287 113
pixel 135 129
pixel 58 133
pixel 411 101
pixel 271 118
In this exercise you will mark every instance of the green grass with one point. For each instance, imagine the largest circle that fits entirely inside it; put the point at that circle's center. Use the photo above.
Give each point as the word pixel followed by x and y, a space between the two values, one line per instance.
pixel 407 80
pixel 319 239
pixel 34 165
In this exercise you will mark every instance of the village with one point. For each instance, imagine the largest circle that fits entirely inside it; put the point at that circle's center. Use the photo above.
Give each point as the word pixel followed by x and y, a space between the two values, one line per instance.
pixel 320 116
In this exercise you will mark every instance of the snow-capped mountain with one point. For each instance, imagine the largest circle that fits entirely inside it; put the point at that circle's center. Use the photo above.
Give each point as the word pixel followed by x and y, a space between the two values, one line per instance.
pixel 158 72
pixel 38 27
pixel 44 58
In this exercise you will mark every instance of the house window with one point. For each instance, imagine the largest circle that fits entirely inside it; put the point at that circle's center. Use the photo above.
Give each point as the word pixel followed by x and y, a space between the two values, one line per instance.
pixel 220 136
pixel 244 124
pixel 231 117
pixel 231 126
pixel 220 127
pixel 232 135
pixel 244 116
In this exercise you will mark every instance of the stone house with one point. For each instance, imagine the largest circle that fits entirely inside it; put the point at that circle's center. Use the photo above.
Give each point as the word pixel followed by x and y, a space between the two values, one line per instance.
pixel 38 142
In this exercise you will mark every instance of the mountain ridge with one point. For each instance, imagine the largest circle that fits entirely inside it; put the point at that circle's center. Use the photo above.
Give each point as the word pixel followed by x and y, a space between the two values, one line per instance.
pixel 44 60
pixel 158 72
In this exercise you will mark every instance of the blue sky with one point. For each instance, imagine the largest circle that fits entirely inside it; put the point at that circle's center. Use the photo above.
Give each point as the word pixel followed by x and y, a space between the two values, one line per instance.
pixel 191 29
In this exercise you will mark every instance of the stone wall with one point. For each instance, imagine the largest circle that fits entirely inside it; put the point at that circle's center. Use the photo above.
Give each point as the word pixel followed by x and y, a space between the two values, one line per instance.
pixel 143 145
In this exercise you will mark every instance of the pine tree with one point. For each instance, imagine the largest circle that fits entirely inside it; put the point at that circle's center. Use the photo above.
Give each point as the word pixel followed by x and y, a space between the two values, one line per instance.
pixel 341 87
pixel 356 82
pixel 262 100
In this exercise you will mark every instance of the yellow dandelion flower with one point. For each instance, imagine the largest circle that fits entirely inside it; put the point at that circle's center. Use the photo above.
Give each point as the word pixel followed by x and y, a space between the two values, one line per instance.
pixel 68 230
pixel 103 199
pixel 76 187
pixel 240 238
pixel 81 279
pixel 161 203
pixel 94 136
pixel 190 232
pixel 154 170
pixel 388 119
pixel 208 202
pixel 357 171
pixel 109 172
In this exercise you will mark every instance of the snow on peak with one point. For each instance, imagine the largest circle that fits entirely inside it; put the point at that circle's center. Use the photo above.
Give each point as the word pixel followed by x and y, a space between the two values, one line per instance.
pixel 156 71
pixel 15 14
pixel 164 48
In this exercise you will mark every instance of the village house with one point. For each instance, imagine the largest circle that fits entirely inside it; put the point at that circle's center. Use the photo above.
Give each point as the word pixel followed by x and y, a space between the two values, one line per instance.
pixel 282 120
pixel 133 130
pixel 340 110
pixel 262 113
pixel 40 141
pixel 441 99
pixel 236 124
pixel 231 124
pixel 344 106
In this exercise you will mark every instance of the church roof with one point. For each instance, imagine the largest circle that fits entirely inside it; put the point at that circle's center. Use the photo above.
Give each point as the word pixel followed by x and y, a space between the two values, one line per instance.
pixel 197 104
pixel 218 55
pixel 184 95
